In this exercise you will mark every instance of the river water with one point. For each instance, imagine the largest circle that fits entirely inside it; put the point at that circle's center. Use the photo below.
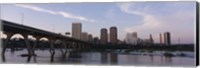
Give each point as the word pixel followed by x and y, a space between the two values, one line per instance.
pixel 106 58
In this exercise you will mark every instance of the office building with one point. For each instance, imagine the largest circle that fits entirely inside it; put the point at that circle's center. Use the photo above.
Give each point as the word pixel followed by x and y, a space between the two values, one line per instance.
pixel 113 35
pixel 167 39
pixel 134 34
pixel 131 38
pixel 104 36
pixel 96 40
pixel 151 39
pixel 84 36
pixel 76 30
pixel 160 38
pixel 90 37
pixel 134 38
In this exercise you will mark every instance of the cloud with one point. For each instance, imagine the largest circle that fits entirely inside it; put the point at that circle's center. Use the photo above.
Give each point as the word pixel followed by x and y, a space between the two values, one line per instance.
pixel 178 18
pixel 149 20
pixel 61 13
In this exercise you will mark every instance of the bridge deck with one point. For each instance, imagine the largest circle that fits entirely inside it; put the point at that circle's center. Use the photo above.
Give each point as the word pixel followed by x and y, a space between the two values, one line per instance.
pixel 8 26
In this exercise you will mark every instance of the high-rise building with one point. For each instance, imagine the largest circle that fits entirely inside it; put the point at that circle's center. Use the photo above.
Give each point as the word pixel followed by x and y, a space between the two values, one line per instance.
pixel 151 39
pixel 146 42
pixel 134 34
pixel 90 37
pixel 84 36
pixel 134 38
pixel 76 30
pixel 167 39
pixel 131 38
pixel 113 35
pixel 160 38
pixel 108 37
pixel 104 36
pixel 96 40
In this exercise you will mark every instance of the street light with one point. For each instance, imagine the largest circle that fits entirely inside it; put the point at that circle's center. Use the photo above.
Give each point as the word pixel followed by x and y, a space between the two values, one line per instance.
pixel 53 28
pixel 22 20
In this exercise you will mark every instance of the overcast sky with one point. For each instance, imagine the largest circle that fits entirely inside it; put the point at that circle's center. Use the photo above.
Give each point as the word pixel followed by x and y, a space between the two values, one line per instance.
pixel 145 18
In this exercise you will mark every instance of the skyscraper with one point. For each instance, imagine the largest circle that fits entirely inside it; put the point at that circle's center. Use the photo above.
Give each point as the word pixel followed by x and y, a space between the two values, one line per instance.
pixel 104 36
pixel 151 39
pixel 167 39
pixel 135 38
pixel 90 37
pixel 134 34
pixel 76 30
pixel 160 38
pixel 131 38
pixel 96 40
pixel 113 35
pixel 128 38
pixel 84 36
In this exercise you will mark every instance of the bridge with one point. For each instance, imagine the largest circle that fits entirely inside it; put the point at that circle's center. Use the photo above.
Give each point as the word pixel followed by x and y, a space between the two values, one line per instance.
pixel 9 28
pixel 67 43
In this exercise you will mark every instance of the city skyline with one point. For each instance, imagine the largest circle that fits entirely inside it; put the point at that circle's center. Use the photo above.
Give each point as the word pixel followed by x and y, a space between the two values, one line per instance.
pixel 122 15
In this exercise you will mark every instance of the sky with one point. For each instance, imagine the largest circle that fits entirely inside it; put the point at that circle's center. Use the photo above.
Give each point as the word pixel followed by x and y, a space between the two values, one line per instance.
pixel 178 18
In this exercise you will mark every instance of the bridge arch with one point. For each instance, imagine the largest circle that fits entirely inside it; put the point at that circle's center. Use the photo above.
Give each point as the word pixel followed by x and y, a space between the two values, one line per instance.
pixel 43 39
pixel 16 35
pixel 58 41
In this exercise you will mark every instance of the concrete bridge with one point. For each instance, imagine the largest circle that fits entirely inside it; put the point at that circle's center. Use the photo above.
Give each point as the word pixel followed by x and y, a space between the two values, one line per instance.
pixel 10 29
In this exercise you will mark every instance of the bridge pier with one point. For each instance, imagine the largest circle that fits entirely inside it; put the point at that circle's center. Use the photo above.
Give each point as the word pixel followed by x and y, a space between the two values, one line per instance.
pixel 78 46
pixel 64 52
pixel 85 46
pixel 4 46
pixel 52 50
pixel 37 38
pixel 9 28
pixel 29 49
pixel 73 45
pixel 81 46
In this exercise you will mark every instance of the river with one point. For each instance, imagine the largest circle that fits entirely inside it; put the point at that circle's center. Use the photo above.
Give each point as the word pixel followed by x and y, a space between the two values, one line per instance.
pixel 106 58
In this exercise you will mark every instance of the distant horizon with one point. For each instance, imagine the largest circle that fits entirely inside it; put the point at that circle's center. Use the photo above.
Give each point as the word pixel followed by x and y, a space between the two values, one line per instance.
pixel 145 18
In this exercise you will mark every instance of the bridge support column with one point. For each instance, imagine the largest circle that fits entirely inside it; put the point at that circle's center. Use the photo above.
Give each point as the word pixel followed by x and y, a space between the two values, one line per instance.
pixel 80 46
pixel 72 44
pixel 34 46
pixel 86 46
pixel 65 49
pixel 29 49
pixel 4 46
pixel 83 46
pixel 75 45
pixel 52 50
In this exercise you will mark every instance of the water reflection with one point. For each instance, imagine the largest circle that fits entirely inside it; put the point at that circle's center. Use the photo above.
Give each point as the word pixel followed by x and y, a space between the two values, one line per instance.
pixel 74 57
pixel 97 58
pixel 151 58
pixel 161 59
pixel 113 58
pixel 104 58
pixel 168 59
